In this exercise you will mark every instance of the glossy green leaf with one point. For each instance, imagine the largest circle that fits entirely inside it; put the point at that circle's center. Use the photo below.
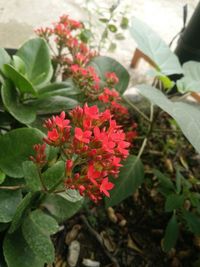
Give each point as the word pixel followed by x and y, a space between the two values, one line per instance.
pixel 2 176
pixel 18 253
pixel 60 208
pixel 19 65
pixel 9 200
pixel 171 234
pixel 37 228
pixel 21 112
pixel 22 208
pixel 53 104
pixel 36 56
pixel 191 80
pixel 155 48
pixel 4 58
pixel 103 64
pixel 19 80
pixel 186 115
pixel 31 176
pixel 53 175
pixel 173 202
pixel 17 147
pixel 130 178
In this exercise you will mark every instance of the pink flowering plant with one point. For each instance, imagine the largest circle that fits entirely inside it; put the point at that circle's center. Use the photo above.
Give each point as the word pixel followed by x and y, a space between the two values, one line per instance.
pixel 66 137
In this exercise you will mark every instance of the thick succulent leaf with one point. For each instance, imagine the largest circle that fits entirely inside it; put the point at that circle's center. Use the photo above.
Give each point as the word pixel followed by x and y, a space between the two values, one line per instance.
pixel 103 64
pixel 19 80
pixel 130 178
pixel 9 200
pixel 17 252
pixel 36 56
pixel 60 208
pixel 31 176
pixel 21 112
pixel 155 48
pixel 4 58
pixel 37 228
pixel 17 147
pixel 186 115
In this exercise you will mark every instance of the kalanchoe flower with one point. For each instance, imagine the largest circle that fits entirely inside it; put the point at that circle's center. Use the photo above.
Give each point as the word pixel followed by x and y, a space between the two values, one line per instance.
pixel 111 79
pixel 40 156
pixel 93 146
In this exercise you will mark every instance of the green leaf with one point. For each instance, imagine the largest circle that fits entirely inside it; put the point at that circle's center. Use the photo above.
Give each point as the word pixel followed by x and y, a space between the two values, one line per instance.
pixel 16 147
pixel 36 56
pixel 60 208
pixel 191 80
pixel 124 23
pixel 23 207
pixel 85 35
pixel 52 176
pixel 53 104
pixel 2 176
pixel 155 48
pixel 112 47
pixel 37 228
pixel 18 253
pixel 112 28
pixel 193 222
pixel 9 200
pixel 4 58
pixel 119 36
pixel 174 202
pixel 21 112
pixel 19 80
pixel 130 178
pixel 19 65
pixel 71 195
pixel 186 115
pixel 66 88
pixel 164 180
pixel 104 20
pixel 103 64
pixel 171 234
pixel 31 176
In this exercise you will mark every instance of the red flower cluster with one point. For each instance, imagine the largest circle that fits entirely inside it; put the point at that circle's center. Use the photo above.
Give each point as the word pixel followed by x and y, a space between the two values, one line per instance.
pixel 40 156
pixel 94 148
pixel 70 50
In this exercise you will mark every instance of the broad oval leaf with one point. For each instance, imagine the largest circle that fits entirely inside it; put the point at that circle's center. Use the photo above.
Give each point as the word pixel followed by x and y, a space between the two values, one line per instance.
pixel 103 64
pixel 155 48
pixel 18 253
pixel 37 228
pixel 9 200
pixel 186 115
pixel 36 56
pixel 17 147
pixel 60 208
pixel 21 112
pixel 171 234
pixel 130 178
pixel 31 176
pixel 4 58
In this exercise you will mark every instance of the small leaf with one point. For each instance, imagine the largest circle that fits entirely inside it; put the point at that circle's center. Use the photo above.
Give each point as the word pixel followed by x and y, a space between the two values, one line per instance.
pixel 130 178
pixel 112 47
pixel 60 208
pixel 173 202
pixel 104 20
pixel 37 228
pixel 171 234
pixel 124 23
pixel 103 64
pixel 16 147
pixel 193 222
pixel 85 35
pixel 119 36
pixel 2 176
pixel 9 200
pixel 112 28
pixel 164 180
pixel 18 253
pixel 31 176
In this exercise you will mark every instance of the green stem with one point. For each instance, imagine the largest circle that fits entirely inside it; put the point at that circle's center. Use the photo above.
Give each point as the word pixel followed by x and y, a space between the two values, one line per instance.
pixel 14 187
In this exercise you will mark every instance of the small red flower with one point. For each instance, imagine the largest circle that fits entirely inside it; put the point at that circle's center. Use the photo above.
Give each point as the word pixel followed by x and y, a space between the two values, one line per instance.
pixel 106 186
pixel 82 136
